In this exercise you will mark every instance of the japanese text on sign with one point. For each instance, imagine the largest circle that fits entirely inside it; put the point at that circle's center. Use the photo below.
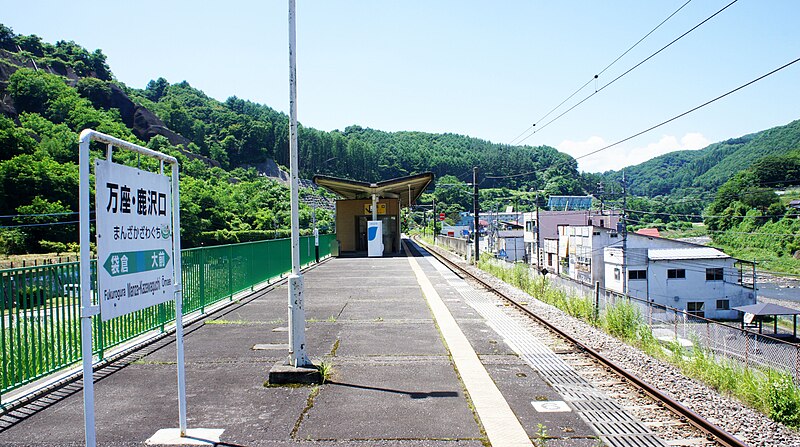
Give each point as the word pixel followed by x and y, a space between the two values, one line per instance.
pixel 134 239
pixel 146 202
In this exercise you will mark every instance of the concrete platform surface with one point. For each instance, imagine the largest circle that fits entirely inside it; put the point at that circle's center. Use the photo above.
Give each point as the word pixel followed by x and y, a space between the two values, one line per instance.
pixel 394 380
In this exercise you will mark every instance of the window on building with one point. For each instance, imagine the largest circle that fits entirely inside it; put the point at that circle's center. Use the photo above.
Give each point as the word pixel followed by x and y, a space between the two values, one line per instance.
pixel 696 308
pixel 616 273
pixel 601 223
pixel 714 274
pixel 723 304
pixel 590 222
pixel 637 274
pixel 676 273
pixel 549 261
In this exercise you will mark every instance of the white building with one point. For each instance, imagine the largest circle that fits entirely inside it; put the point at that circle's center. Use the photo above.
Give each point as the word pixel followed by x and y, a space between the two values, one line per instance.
pixel 543 225
pixel 701 280
pixel 581 251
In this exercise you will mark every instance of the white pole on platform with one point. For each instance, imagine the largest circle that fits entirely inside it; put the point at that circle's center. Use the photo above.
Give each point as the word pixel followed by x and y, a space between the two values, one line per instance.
pixel 87 310
pixel 176 257
pixel 297 318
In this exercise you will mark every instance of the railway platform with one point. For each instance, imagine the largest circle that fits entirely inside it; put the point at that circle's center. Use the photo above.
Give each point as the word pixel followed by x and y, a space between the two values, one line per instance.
pixel 419 358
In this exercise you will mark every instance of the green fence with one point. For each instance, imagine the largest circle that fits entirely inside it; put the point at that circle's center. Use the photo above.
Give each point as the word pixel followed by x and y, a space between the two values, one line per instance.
pixel 40 306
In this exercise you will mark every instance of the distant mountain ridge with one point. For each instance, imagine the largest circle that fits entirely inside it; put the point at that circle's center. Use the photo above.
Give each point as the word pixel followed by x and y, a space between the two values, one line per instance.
pixel 706 169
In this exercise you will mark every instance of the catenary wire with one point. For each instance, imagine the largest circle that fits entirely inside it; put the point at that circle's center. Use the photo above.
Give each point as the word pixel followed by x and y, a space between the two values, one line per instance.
pixel 596 76
pixel 628 71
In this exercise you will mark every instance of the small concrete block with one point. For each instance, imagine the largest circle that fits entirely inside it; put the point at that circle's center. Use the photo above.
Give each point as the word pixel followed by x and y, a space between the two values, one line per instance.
pixel 281 329
pixel 551 406
pixel 194 436
pixel 271 347
pixel 283 374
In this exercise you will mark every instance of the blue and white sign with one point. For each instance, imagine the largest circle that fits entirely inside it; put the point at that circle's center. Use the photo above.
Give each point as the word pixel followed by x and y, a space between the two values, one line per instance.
pixel 374 238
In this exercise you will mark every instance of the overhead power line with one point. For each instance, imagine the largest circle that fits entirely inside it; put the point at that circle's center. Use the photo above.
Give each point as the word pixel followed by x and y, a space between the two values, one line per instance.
pixel 690 110
pixel 627 71
pixel 42 224
pixel 601 71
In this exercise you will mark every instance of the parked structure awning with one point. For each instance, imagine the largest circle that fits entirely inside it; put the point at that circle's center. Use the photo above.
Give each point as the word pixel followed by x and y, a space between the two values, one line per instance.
pixel 407 189
pixel 754 311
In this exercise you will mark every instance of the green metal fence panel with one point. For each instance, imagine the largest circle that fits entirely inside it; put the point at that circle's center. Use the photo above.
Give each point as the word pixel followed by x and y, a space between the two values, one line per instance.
pixel 40 306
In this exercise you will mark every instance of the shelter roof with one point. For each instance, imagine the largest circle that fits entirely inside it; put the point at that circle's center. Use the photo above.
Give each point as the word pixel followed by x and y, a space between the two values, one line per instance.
pixel 767 309
pixel 666 254
pixel 407 189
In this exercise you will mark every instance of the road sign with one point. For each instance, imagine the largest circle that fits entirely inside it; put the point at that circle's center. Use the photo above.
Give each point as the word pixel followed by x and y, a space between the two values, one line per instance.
pixel 441 216
pixel 134 239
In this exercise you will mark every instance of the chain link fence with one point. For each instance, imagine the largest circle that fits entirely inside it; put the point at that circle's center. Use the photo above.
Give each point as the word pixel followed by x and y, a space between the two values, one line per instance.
pixel 726 340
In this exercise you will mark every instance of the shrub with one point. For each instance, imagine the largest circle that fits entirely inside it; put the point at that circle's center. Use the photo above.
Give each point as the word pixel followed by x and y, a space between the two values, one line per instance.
pixel 13 241
pixel 622 320
pixel 53 247
pixel 784 400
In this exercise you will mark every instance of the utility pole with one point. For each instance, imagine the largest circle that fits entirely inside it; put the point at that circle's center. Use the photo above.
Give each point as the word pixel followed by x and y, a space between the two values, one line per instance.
pixel 624 236
pixel 600 193
pixel 435 217
pixel 538 233
pixel 476 210
pixel 297 318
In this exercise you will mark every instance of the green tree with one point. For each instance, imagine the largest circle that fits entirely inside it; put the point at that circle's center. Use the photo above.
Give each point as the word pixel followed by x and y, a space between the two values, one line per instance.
pixel 156 90
pixel 43 220
pixel 14 140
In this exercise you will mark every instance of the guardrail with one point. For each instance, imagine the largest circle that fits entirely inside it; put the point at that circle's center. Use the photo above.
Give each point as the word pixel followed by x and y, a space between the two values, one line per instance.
pixel 40 306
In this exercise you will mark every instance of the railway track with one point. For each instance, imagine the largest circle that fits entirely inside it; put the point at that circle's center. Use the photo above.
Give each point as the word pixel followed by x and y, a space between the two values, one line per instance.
pixel 672 426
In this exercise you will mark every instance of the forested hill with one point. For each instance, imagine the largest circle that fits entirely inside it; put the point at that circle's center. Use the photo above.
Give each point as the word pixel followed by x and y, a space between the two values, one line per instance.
pixel 50 92
pixel 240 133
pixel 707 169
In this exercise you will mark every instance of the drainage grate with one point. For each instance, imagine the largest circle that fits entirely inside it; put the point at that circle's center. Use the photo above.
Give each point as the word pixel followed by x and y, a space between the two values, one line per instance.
pixel 616 417
pixel 622 428
pixel 615 426
pixel 632 441
pixel 597 405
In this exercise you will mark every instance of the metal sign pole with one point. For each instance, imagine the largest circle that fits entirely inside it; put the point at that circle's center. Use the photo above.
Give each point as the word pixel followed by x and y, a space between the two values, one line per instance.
pixel 87 310
pixel 297 319
pixel 176 257
pixel 119 263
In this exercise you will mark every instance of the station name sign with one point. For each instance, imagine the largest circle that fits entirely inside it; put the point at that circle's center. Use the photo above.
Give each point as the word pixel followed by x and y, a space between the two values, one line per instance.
pixel 134 239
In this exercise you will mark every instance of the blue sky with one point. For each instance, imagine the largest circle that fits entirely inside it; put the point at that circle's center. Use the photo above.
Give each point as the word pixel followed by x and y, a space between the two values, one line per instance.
pixel 484 69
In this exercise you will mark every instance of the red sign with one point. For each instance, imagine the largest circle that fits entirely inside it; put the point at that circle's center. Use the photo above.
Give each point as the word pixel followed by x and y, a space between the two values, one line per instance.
pixel 441 216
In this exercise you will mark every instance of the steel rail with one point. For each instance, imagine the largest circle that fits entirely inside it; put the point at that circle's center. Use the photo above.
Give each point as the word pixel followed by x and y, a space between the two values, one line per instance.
pixel 720 435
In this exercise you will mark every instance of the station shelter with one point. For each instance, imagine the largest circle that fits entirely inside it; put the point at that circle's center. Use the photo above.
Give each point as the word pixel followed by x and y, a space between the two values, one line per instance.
pixel 362 202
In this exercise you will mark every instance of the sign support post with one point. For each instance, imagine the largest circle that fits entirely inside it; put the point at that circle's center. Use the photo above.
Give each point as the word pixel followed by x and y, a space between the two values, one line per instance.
pixel 137 267
pixel 87 310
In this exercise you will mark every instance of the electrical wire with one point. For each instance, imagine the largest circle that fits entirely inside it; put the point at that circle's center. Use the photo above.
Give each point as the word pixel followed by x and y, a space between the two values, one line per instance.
pixel 630 70
pixel 690 110
pixel 70 213
pixel 596 76
pixel 42 224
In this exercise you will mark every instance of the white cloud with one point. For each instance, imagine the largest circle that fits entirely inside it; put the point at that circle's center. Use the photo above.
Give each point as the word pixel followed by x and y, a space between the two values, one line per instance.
pixel 621 156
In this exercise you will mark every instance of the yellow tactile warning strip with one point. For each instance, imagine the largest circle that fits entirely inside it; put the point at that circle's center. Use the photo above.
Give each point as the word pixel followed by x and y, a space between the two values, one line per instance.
pixel 501 424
